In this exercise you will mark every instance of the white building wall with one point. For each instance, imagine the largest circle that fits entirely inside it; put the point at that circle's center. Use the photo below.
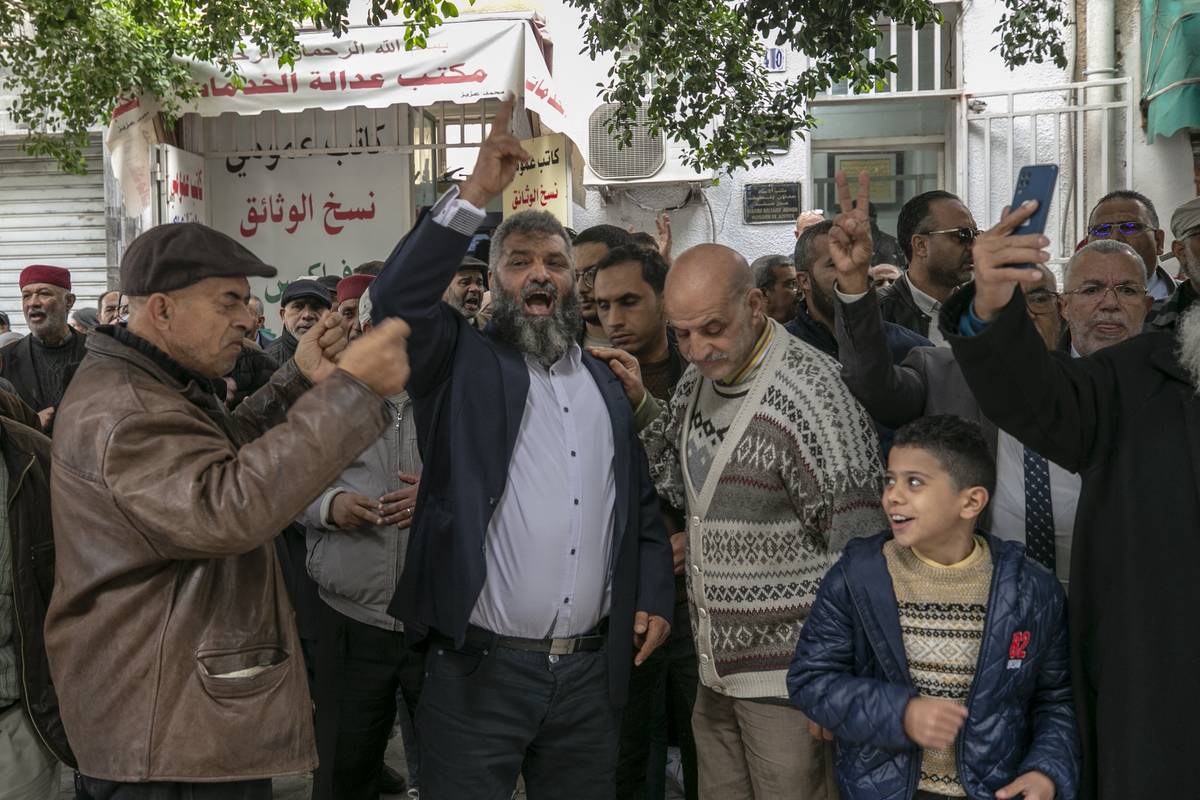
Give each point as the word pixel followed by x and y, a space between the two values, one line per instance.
pixel 1162 170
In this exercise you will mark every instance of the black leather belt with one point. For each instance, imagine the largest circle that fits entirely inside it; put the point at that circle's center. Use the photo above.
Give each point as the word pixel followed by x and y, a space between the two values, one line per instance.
pixel 483 639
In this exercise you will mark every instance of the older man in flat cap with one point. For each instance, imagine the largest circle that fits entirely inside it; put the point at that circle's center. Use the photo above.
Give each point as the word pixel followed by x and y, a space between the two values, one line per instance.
pixel 1185 227
pixel 303 304
pixel 169 629
pixel 40 365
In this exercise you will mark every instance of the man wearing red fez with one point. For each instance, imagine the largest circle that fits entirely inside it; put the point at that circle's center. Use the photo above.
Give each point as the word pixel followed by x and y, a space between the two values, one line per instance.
pixel 41 364
pixel 349 291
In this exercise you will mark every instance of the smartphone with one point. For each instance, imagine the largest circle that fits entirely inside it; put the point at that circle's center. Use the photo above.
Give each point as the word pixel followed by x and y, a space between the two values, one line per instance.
pixel 1035 182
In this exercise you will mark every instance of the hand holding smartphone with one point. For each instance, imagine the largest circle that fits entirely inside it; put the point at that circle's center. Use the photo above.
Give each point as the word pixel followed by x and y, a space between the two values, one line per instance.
pixel 1034 182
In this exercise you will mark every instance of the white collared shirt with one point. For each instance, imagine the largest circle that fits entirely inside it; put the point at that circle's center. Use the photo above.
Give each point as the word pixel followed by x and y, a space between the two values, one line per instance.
pixel 931 307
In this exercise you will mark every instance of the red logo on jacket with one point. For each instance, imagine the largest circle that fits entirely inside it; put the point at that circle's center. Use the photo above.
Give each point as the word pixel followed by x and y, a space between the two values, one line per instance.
pixel 1016 650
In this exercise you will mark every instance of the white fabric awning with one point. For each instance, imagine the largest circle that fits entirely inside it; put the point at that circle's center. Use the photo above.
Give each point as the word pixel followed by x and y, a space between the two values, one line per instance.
pixel 464 61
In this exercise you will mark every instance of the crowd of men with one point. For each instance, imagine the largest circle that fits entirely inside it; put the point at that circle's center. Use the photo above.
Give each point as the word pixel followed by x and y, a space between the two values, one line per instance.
pixel 551 516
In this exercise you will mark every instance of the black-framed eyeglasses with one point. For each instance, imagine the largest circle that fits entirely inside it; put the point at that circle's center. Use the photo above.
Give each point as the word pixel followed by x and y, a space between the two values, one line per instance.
pixel 587 278
pixel 1126 293
pixel 1040 300
pixel 964 235
pixel 1130 227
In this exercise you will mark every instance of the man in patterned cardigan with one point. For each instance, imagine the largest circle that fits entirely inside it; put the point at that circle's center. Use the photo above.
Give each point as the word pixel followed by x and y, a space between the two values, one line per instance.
pixel 777 465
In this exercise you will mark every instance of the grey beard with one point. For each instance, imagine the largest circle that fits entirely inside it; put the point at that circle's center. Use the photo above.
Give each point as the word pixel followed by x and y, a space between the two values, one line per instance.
pixel 547 339
pixel 1187 334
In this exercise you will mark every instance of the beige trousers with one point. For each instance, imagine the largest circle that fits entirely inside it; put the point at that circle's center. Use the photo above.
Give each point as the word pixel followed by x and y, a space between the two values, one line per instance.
pixel 757 751
pixel 27 771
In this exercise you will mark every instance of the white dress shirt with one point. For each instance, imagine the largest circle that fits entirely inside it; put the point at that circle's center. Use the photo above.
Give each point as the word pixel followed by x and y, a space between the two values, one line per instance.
pixel 931 307
pixel 1008 504
pixel 549 544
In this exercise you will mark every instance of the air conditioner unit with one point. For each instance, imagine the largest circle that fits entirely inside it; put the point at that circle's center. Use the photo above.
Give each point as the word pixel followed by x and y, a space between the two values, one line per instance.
pixel 647 159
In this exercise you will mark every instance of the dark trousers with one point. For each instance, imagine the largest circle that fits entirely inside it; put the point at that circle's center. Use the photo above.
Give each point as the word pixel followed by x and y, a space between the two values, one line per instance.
pixel 489 714
pixel 662 692
pixel 359 669
pixel 237 790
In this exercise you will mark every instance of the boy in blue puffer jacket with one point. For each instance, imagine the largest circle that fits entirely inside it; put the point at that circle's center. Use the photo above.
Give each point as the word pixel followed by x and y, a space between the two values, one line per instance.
pixel 936 657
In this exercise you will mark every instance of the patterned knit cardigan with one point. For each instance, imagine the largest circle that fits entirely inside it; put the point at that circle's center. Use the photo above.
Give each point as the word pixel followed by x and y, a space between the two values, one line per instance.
pixel 796 477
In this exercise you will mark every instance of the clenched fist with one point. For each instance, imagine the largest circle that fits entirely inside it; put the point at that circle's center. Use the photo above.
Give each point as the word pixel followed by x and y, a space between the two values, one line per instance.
pixel 380 358
pixel 933 723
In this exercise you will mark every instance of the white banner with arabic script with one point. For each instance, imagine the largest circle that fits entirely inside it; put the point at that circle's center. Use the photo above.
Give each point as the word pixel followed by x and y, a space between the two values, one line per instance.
pixel 309 217
pixel 463 62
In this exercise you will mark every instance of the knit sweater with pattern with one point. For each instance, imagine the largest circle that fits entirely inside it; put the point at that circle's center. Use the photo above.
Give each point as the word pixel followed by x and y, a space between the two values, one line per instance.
pixel 942 612
pixel 793 474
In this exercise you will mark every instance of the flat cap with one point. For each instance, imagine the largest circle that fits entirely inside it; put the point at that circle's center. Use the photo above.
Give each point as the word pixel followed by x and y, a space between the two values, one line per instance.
pixel 1186 219
pixel 306 287
pixel 176 255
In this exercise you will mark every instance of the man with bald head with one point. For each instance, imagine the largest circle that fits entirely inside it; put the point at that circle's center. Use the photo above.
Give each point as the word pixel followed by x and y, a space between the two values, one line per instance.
pixel 777 466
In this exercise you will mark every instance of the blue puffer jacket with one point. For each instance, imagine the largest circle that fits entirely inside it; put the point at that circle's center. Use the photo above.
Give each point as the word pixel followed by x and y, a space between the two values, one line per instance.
pixel 850 675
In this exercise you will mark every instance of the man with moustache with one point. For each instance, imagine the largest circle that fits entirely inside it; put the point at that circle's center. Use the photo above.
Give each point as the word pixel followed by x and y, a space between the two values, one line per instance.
pixel 1122 418
pixel 590 246
pixel 40 365
pixel 465 292
pixel 169 632
pixel 1128 216
pixel 537 561
pixel 777 467
pixel 303 304
pixel 936 232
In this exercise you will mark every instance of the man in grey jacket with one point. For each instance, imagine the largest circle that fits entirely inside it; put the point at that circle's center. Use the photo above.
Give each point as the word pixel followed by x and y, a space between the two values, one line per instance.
pixel 357 540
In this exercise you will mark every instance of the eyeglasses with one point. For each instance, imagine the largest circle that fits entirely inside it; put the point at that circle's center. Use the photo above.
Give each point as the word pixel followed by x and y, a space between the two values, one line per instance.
pixel 1040 301
pixel 1125 293
pixel 965 236
pixel 587 278
pixel 1127 228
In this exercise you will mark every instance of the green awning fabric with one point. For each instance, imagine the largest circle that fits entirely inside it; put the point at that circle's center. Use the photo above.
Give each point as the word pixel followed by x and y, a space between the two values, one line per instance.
pixel 1171 64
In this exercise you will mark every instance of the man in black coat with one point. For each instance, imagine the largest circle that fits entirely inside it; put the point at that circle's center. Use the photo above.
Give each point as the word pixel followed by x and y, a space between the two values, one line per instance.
pixel 1128 420
pixel 42 363
pixel 303 304
pixel 32 740
pixel 537 559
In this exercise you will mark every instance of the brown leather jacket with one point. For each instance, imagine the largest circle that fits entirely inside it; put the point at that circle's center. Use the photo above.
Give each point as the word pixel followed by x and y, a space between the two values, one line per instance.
pixel 171 639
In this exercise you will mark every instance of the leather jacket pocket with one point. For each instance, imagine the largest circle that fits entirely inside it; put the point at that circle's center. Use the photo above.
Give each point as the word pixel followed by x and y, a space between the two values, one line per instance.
pixel 243 671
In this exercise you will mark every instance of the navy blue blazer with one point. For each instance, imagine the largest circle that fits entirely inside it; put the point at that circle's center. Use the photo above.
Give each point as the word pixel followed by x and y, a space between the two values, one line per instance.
pixel 469 392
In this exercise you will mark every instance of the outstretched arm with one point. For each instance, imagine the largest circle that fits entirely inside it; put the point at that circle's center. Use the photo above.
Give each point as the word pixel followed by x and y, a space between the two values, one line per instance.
pixel 424 262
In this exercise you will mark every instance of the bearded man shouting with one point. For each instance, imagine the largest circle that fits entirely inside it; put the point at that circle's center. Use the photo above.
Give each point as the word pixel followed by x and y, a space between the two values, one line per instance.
pixel 537 560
